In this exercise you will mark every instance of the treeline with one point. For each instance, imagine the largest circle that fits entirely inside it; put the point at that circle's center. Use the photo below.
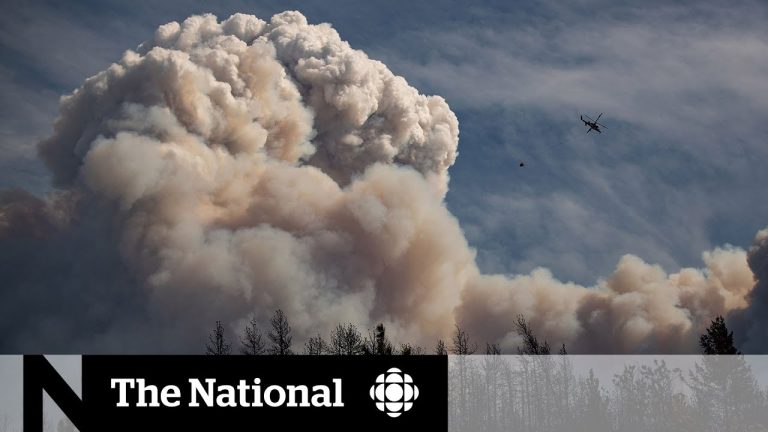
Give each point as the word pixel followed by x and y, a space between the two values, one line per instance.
pixel 546 393
pixel 562 393
pixel 347 339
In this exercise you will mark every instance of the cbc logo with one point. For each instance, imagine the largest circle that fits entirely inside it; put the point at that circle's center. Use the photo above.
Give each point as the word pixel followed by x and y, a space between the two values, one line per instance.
pixel 394 392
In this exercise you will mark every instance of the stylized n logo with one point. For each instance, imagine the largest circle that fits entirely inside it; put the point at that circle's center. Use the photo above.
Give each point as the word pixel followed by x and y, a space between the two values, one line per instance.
pixel 40 375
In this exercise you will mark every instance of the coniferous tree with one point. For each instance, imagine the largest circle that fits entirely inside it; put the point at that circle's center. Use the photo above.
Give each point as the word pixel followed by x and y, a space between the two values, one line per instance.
pixel 531 344
pixel 726 393
pixel 383 345
pixel 281 334
pixel 717 339
pixel 724 388
pixel 593 405
pixel 377 342
pixel 252 340
pixel 217 343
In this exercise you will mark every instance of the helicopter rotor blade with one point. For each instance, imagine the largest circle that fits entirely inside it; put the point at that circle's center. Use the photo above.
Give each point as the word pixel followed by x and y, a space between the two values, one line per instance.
pixel 602 125
pixel 598 117
pixel 590 118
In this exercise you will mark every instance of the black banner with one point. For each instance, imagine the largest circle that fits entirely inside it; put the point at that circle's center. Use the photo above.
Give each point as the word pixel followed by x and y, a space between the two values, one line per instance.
pixel 373 393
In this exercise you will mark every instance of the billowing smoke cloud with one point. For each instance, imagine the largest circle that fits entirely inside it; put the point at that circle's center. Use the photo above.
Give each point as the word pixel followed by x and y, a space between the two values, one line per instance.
pixel 638 308
pixel 226 169
pixel 752 322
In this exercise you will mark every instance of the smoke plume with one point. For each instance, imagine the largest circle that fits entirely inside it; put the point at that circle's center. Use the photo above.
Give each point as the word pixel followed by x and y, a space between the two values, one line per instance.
pixel 752 322
pixel 226 169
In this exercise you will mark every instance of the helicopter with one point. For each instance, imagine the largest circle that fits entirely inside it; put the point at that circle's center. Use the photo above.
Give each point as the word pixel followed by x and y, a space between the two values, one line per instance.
pixel 593 124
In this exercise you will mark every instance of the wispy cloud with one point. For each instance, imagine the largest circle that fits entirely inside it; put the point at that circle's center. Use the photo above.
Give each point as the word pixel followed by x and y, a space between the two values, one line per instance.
pixel 680 168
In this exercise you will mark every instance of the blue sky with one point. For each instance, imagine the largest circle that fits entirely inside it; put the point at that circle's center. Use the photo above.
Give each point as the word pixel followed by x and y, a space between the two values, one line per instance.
pixel 679 169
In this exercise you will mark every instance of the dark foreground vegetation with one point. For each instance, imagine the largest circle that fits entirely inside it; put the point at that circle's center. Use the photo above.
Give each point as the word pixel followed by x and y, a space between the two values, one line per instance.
pixel 347 339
